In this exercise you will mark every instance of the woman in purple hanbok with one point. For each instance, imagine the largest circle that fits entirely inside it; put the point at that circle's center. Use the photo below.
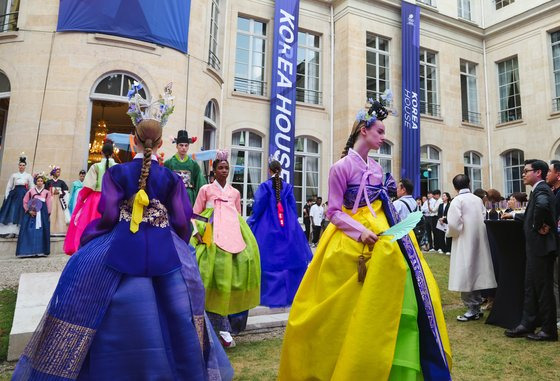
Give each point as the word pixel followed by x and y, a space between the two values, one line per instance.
pixel 284 250
pixel 130 303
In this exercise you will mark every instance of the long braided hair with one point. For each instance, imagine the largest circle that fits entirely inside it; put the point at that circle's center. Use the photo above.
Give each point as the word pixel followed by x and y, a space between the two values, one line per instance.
pixel 353 136
pixel 275 167
pixel 107 150
pixel 148 132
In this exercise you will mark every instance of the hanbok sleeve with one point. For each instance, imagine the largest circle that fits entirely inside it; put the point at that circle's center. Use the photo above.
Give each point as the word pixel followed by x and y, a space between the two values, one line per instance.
pixel 200 202
pixel 237 201
pixel 9 186
pixel 290 199
pixel 48 200
pixel 108 207
pixel 259 204
pixel 454 219
pixel 30 181
pixel 26 200
pixel 337 187
pixel 180 210
pixel 90 181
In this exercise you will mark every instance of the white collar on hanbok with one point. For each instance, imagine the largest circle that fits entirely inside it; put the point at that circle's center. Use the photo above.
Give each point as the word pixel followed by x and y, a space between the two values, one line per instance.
pixel 219 186
pixel 140 155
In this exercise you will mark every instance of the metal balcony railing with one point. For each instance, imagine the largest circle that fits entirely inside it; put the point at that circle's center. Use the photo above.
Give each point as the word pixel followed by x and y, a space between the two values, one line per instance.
pixel 471 117
pixel 309 96
pixel 213 60
pixel 249 86
pixel 509 115
pixel 8 21
pixel 556 104
pixel 431 109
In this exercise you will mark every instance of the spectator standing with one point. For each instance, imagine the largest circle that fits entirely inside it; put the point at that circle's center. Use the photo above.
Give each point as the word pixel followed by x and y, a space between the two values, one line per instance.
pixel 443 244
pixel 317 213
pixel 307 218
pixel 429 209
pixel 553 180
pixel 471 268
pixel 405 203
pixel 539 221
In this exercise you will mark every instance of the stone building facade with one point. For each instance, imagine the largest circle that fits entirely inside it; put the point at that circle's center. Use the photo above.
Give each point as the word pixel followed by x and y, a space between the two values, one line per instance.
pixel 490 85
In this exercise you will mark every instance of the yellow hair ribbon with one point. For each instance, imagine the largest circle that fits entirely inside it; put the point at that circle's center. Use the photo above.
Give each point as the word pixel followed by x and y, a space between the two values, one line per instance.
pixel 140 201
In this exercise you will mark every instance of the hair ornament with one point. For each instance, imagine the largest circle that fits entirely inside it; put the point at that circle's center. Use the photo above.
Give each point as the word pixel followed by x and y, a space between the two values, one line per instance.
pixel 22 158
pixel 222 155
pixel 140 109
pixel 40 175
pixel 53 168
pixel 376 109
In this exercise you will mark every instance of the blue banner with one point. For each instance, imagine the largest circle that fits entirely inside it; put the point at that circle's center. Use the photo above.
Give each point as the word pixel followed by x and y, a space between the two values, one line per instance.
pixel 283 88
pixel 410 157
pixel 163 22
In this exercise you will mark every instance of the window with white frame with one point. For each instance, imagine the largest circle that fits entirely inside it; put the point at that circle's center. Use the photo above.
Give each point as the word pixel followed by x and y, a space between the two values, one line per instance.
pixel 430 165
pixel 9 11
pixel 384 156
pixel 513 169
pixel 250 56
pixel 308 77
pixel 428 83
pixel 464 7
pixel 555 41
pixel 213 59
pixel 5 91
pixel 431 3
pixel 473 168
pixel 502 3
pixel 246 167
pixel 306 171
pixel 469 97
pixel 210 126
pixel 377 65
pixel 509 92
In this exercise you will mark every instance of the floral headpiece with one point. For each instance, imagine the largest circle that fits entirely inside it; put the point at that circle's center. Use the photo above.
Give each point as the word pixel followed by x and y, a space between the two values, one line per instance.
pixel 140 109
pixel 40 175
pixel 376 109
pixel 222 155
pixel 53 168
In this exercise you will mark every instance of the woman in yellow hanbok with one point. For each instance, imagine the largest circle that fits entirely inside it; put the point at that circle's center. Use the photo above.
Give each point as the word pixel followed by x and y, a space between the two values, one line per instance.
pixel 367 308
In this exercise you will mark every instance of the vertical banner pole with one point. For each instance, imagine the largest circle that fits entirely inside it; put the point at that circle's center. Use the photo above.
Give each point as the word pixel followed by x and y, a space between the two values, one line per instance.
pixel 410 152
pixel 283 86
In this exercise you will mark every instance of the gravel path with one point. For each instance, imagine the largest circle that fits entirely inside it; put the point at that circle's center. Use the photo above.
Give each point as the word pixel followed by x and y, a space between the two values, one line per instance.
pixel 11 269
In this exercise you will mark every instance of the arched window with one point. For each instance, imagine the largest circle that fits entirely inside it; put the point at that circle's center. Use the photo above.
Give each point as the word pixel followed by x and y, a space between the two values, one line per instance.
pixel 384 156
pixel 430 166
pixel 473 168
pixel 513 167
pixel 109 104
pixel 306 171
pixel 557 153
pixel 5 90
pixel 246 167
pixel 210 125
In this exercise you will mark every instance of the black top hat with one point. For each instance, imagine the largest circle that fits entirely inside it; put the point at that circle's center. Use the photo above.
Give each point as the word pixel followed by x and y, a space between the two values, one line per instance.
pixel 183 137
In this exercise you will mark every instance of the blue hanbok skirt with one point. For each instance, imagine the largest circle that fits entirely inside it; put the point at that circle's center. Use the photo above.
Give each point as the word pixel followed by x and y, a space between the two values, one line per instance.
pixel 105 325
pixel 34 242
pixel 12 208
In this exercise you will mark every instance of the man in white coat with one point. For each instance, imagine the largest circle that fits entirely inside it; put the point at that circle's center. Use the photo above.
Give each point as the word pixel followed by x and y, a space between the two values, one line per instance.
pixel 471 268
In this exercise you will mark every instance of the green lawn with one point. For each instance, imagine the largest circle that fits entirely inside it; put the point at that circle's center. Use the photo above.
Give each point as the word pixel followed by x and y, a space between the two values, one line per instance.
pixel 480 351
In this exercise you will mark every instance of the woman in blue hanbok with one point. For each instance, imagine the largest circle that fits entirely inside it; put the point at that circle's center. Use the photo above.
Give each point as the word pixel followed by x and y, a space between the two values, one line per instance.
pixel 130 303
pixel 12 209
pixel 284 250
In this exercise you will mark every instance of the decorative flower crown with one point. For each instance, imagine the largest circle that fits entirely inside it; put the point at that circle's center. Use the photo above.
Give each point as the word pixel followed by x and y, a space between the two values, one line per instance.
pixel 222 155
pixel 53 168
pixel 376 109
pixel 40 175
pixel 140 109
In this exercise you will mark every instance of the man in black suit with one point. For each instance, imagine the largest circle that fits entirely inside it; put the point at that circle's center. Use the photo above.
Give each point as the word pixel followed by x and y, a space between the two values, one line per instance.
pixel 539 222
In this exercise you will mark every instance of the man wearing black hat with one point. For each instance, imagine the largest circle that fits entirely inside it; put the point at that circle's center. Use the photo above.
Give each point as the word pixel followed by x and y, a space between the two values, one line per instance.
pixel 186 167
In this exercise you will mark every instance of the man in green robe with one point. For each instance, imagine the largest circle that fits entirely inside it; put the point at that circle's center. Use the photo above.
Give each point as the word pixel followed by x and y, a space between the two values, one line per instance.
pixel 187 169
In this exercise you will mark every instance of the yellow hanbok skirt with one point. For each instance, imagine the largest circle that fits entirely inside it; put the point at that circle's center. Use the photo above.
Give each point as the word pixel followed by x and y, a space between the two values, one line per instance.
pixel 341 329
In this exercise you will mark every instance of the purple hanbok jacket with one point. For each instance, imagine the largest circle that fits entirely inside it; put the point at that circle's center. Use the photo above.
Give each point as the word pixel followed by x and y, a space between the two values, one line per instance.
pixel 150 251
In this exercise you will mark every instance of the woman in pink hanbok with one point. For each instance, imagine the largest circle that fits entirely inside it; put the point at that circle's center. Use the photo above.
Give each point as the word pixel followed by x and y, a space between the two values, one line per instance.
pixel 85 210
pixel 226 251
